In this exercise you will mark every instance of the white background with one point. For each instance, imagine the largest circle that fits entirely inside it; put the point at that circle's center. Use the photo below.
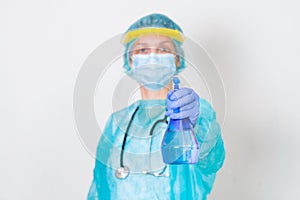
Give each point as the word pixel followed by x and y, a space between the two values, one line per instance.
pixel 43 44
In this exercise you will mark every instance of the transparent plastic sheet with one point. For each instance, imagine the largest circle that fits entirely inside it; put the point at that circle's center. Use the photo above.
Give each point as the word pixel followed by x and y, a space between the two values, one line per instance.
pixel 195 70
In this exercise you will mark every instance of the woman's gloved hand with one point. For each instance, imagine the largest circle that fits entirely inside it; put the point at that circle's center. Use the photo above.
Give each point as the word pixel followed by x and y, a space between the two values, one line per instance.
pixel 187 100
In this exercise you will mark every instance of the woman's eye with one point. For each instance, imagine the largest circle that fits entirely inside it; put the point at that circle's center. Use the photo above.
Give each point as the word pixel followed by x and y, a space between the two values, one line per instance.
pixel 163 50
pixel 144 50
pixel 148 50
pixel 141 51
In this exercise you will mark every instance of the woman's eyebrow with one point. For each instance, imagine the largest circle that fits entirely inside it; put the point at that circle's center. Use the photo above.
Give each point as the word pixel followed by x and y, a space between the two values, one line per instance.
pixel 142 44
pixel 166 42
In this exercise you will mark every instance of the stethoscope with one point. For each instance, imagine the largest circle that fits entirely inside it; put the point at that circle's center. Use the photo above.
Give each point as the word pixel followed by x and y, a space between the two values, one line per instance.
pixel 123 171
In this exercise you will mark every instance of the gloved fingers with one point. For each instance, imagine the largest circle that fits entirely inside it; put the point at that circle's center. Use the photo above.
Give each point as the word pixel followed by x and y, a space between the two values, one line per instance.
pixel 194 119
pixel 168 112
pixel 192 114
pixel 194 111
pixel 169 94
pixel 180 115
pixel 193 105
pixel 180 93
pixel 191 111
pixel 185 100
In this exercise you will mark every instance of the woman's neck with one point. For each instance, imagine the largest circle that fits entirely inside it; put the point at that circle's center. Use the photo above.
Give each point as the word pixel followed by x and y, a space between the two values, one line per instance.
pixel 160 94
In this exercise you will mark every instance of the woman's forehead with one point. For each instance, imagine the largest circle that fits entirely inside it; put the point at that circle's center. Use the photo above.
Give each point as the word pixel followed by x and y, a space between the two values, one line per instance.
pixel 153 40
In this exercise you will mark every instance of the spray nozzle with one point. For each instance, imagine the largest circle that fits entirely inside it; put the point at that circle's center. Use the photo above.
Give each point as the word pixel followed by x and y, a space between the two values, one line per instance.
pixel 176 82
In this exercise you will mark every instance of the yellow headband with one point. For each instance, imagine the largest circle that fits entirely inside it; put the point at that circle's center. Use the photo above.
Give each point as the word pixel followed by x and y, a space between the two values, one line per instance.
pixel 175 34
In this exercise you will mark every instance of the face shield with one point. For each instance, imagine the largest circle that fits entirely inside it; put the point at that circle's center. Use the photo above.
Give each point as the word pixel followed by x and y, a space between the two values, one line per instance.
pixel 149 41
pixel 101 70
pixel 153 56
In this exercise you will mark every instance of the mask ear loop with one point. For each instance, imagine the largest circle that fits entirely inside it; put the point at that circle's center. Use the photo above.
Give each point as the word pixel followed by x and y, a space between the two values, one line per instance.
pixel 180 55
pixel 126 55
pixel 130 50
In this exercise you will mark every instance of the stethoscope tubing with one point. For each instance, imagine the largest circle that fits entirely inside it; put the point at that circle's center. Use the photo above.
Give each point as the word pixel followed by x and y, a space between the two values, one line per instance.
pixel 125 137
pixel 123 171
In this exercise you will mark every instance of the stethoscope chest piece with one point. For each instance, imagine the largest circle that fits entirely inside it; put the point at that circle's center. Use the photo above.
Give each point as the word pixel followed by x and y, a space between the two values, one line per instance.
pixel 122 172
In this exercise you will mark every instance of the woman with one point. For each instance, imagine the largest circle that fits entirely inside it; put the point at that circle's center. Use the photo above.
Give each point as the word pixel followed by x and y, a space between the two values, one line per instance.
pixel 129 163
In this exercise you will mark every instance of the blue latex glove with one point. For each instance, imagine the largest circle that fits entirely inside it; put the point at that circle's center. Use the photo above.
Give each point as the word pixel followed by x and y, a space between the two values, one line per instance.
pixel 187 100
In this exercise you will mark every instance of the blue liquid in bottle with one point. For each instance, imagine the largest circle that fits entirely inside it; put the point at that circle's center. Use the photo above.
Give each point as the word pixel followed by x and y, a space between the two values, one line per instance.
pixel 179 144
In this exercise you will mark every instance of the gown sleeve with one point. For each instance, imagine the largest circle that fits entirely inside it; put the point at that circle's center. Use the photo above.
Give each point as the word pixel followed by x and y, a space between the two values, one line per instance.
pixel 212 151
pixel 98 171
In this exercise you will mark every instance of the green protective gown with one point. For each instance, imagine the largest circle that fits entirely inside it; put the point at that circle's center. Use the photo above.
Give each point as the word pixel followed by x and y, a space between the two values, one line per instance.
pixel 193 181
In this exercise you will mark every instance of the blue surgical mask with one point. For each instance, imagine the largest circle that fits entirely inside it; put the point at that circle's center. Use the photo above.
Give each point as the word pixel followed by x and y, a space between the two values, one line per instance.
pixel 153 71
